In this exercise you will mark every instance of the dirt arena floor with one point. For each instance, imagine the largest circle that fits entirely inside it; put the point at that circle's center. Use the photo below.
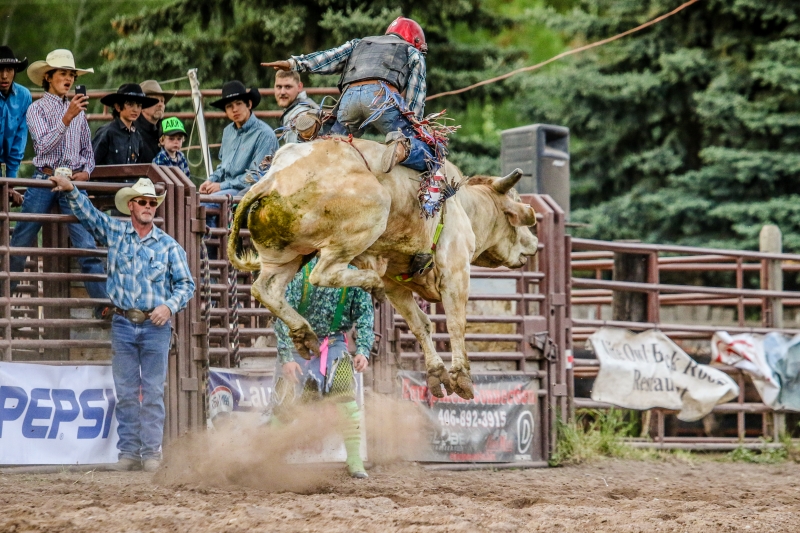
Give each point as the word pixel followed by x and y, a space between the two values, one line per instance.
pixel 607 495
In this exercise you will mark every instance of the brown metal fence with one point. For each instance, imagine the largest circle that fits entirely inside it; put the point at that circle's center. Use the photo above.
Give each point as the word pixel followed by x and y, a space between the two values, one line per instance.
pixel 732 290
pixel 49 319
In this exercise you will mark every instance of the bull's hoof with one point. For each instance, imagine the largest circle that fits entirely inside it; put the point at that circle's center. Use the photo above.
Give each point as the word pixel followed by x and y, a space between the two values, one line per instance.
pixel 462 383
pixel 438 378
pixel 306 342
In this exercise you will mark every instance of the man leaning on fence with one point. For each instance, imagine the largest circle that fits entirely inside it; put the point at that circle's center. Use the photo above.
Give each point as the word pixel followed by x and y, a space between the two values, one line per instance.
pixel 149 281
pixel 148 122
pixel 61 139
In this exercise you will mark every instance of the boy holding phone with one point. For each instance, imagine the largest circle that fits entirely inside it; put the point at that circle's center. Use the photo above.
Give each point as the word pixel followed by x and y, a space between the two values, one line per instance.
pixel 61 139
pixel 171 141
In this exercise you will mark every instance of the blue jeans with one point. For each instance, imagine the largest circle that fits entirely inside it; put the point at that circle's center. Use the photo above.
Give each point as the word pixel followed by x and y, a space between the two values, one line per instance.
pixel 139 361
pixel 39 200
pixel 211 220
pixel 354 108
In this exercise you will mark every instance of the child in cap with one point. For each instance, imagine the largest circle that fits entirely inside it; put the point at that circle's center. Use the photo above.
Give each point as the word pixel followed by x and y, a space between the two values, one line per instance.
pixel 171 141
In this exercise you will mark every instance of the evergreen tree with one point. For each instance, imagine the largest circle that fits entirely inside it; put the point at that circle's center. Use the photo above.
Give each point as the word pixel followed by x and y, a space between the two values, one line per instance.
pixel 688 132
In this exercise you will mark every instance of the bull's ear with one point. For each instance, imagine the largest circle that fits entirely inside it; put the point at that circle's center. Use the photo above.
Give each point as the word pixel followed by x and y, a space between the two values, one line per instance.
pixel 505 184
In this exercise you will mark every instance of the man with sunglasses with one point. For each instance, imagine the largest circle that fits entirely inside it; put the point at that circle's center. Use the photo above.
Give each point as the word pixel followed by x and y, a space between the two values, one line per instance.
pixel 148 282
pixel 395 61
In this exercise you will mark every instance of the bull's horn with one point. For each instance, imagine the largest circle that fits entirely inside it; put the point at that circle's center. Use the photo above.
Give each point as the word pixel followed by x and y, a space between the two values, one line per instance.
pixel 503 185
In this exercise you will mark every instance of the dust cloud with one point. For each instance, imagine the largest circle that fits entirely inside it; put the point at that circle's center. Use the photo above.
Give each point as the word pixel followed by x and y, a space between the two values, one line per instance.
pixel 246 452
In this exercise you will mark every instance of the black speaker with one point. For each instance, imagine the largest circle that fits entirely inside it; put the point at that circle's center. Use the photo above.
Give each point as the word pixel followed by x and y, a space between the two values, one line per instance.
pixel 542 152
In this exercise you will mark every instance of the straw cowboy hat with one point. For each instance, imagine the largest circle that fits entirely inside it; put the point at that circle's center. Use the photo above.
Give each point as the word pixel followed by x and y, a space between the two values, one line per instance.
pixel 152 88
pixel 235 90
pixel 143 187
pixel 8 59
pixel 128 92
pixel 57 59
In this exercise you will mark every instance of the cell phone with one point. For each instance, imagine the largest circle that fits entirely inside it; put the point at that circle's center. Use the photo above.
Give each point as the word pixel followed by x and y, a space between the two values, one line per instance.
pixel 80 89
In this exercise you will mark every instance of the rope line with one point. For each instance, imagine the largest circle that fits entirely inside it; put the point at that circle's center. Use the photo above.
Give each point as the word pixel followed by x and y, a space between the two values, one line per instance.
pixel 567 53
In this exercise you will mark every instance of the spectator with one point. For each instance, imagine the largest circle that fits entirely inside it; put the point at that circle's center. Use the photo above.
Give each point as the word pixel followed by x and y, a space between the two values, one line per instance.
pixel 293 99
pixel 149 282
pixel 172 136
pixel 61 138
pixel 14 102
pixel 147 123
pixel 119 142
pixel 245 142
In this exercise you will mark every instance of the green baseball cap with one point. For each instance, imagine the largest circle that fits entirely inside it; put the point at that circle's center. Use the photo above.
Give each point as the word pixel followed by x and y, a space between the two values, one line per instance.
pixel 171 126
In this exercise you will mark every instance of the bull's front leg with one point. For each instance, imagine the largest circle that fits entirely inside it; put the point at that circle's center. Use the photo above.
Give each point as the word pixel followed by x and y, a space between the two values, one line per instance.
pixel 454 292
pixel 420 325
pixel 270 290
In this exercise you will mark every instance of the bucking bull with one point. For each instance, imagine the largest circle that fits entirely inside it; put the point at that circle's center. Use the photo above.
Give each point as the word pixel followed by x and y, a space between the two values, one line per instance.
pixel 325 196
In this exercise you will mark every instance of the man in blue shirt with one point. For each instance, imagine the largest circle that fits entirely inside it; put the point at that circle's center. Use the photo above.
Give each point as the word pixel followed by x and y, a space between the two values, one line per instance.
pixel 149 281
pixel 245 142
pixel 14 102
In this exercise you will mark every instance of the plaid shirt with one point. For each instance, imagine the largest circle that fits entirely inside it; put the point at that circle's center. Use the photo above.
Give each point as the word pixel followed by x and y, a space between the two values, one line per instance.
pixel 333 61
pixel 142 273
pixel 358 312
pixel 165 160
pixel 57 145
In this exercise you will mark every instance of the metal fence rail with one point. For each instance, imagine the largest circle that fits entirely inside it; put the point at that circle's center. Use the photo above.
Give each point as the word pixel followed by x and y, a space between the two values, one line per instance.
pixel 756 310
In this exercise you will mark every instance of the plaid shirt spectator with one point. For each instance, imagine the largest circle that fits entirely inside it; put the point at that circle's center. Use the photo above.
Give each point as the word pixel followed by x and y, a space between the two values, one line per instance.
pixel 333 61
pixel 57 145
pixel 163 159
pixel 142 273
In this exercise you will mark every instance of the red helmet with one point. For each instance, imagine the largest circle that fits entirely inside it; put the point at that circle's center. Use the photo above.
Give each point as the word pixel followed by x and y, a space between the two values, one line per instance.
pixel 410 31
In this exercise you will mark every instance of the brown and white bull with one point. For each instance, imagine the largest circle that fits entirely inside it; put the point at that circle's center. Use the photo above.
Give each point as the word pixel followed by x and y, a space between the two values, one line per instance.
pixel 326 196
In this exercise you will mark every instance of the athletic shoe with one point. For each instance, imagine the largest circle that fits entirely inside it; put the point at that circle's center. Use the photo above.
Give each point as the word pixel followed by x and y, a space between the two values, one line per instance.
pixel 151 465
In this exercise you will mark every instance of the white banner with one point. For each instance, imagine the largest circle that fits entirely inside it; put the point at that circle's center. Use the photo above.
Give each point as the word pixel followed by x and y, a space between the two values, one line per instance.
pixel 57 415
pixel 649 370
pixel 746 351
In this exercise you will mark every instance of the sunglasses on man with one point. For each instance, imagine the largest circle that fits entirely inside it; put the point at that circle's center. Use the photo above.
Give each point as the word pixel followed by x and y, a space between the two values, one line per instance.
pixel 151 203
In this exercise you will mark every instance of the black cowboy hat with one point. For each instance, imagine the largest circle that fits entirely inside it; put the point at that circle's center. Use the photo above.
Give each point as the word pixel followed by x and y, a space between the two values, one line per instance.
pixel 8 59
pixel 128 92
pixel 235 90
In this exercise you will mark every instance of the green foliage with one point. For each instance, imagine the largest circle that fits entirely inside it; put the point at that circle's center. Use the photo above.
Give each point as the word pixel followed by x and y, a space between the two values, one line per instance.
pixel 687 132
pixel 595 433
pixel 765 455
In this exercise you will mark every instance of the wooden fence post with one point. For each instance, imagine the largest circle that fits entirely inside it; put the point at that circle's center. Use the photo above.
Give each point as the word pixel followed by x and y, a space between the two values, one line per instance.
pixel 770 241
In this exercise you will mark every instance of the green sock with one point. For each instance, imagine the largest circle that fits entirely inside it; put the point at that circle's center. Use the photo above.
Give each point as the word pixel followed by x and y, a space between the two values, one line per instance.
pixel 351 431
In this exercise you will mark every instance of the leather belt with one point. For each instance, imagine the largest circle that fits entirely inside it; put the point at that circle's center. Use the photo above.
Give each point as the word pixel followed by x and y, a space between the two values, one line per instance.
pixel 48 171
pixel 373 82
pixel 137 316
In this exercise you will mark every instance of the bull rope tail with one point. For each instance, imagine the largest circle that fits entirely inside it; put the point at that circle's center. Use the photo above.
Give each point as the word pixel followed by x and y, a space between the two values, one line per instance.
pixel 249 262
pixel 233 300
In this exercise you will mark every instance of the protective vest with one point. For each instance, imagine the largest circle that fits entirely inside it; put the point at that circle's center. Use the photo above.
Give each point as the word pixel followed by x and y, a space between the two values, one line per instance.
pixel 378 58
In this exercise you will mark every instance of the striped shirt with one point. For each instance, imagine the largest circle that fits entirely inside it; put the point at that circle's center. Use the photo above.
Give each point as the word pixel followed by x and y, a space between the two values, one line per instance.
pixel 142 273
pixel 334 60
pixel 241 152
pixel 55 144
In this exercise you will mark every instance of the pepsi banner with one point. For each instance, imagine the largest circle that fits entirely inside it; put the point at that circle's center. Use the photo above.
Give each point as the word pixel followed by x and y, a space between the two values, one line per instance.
pixel 497 426
pixel 57 415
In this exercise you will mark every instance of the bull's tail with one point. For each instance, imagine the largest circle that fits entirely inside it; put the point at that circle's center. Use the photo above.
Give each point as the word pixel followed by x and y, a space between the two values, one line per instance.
pixel 248 261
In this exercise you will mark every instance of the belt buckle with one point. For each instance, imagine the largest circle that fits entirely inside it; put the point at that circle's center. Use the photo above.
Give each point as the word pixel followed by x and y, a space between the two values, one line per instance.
pixel 136 316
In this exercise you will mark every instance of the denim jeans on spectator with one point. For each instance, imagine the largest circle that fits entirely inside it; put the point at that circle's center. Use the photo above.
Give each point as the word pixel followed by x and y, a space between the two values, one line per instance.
pixel 211 220
pixel 139 359
pixel 354 109
pixel 40 200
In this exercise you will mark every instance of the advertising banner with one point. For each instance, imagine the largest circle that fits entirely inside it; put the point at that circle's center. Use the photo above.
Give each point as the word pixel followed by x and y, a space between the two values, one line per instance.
pixel 497 426
pixel 646 370
pixel 57 415
pixel 772 361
